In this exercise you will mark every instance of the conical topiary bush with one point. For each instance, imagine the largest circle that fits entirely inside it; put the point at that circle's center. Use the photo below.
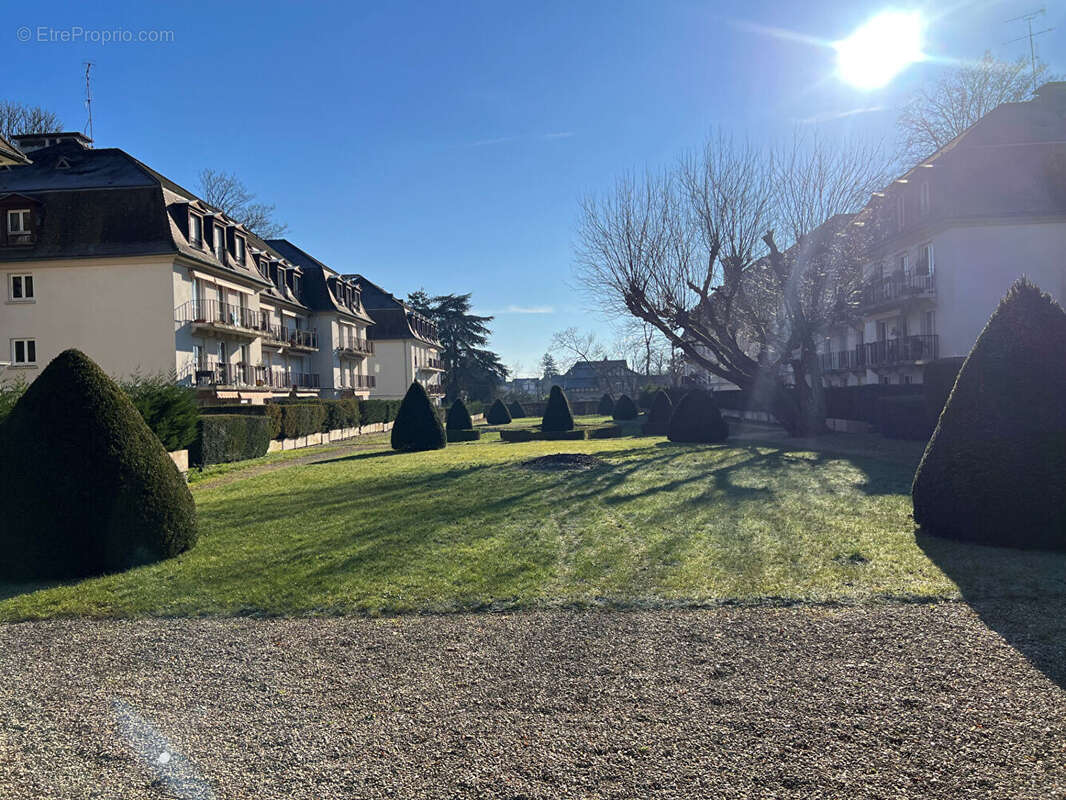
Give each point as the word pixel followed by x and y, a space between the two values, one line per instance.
pixel 85 486
pixel 662 409
pixel 459 417
pixel 516 409
pixel 606 406
pixel 417 426
pixel 994 470
pixel 697 419
pixel 625 408
pixel 557 415
pixel 498 413
pixel 459 426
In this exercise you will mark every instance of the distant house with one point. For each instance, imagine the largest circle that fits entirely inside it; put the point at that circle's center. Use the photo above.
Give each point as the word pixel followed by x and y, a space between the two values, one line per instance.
pixel 589 380
pixel 526 387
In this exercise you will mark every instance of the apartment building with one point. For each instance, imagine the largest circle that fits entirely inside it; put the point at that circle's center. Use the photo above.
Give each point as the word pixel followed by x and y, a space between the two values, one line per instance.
pixel 341 322
pixel 406 347
pixel 945 240
pixel 102 253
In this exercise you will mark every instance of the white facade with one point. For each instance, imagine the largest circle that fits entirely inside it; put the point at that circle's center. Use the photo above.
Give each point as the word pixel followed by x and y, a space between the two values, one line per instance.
pixel 400 362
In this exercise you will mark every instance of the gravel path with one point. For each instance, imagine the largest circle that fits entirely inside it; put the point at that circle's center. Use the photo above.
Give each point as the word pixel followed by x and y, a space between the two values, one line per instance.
pixel 876 702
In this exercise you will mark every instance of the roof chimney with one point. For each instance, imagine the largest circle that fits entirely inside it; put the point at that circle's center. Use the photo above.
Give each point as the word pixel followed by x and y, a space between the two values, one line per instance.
pixel 28 142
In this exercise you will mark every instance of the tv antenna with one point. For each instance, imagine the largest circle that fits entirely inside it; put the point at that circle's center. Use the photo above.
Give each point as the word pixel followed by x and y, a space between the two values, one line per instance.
pixel 1028 19
pixel 88 100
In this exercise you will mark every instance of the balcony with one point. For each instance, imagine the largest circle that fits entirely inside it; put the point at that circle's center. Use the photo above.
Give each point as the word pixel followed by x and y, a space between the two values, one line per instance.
pixel 354 347
pixel 891 352
pixel 280 378
pixel 893 289
pixel 359 382
pixel 280 336
pixel 435 390
pixel 432 365
pixel 220 317
pixel 247 375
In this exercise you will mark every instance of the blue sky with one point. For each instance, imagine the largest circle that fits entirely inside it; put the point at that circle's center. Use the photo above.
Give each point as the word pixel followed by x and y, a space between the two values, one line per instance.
pixel 446 145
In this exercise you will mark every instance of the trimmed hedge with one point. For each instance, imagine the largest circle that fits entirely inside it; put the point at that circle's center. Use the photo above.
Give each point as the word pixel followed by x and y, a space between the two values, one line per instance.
pixel 604 432
pixel 516 410
pixel 625 408
pixel 662 409
pixel 606 406
pixel 459 418
pixel 994 471
pixel 905 418
pixel 557 414
pixel 697 419
pixel 417 426
pixel 230 437
pixel 498 414
pixel 518 435
pixel 301 419
pixel 85 486
pixel 458 435
pixel 372 411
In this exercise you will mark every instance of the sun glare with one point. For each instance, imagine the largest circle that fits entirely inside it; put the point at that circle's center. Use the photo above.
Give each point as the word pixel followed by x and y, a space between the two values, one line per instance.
pixel 879 50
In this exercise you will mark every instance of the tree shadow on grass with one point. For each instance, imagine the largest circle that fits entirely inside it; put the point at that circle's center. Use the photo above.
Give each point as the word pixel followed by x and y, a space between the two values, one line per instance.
pixel 1020 594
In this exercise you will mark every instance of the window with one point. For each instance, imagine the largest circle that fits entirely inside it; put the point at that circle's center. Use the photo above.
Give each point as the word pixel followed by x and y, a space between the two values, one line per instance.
pixel 902 263
pixel 899 212
pixel 923 200
pixel 886 379
pixel 220 243
pixel 18 221
pixel 929 323
pixel 20 287
pixel 296 285
pixel 925 259
pixel 24 351
pixel 198 356
pixel 196 226
pixel 238 248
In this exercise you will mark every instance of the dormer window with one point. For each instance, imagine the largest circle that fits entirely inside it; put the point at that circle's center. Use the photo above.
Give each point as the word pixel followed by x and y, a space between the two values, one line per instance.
pixel 196 230
pixel 296 285
pixel 220 243
pixel 238 249
pixel 18 221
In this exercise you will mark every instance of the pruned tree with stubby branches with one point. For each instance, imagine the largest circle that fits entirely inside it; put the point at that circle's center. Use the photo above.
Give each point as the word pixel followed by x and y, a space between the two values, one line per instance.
pixel 694 252
pixel 940 111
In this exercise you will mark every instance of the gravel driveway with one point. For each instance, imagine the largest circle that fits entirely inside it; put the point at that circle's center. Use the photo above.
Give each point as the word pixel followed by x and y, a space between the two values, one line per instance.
pixel 885 702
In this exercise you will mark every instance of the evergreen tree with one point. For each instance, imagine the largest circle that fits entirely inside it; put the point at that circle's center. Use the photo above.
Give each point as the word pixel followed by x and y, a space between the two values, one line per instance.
pixel 548 368
pixel 662 409
pixel 469 367
pixel 85 486
pixel 697 419
pixel 459 418
pixel 498 414
pixel 606 406
pixel 625 408
pixel 516 409
pixel 417 425
pixel 994 471
pixel 557 414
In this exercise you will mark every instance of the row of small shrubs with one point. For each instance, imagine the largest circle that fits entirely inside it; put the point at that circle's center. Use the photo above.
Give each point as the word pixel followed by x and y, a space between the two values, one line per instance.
pixel 292 419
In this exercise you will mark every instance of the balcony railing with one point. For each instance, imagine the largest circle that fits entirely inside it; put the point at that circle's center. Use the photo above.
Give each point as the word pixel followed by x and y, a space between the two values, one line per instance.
pixel 435 390
pixel 213 312
pixel 895 287
pixel 280 378
pixel 229 375
pixel 354 345
pixel 906 350
pixel 360 382
pixel 282 334
pixel 432 363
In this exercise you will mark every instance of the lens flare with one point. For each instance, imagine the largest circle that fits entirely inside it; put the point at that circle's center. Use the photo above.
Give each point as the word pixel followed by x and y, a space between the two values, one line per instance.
pixel 882 48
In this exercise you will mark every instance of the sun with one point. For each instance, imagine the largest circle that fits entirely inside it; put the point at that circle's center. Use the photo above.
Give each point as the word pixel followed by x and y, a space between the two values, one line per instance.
pixel 882 48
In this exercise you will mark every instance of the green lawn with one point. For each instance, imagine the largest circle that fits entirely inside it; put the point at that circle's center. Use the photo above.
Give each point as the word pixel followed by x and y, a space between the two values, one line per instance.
pixel 469 528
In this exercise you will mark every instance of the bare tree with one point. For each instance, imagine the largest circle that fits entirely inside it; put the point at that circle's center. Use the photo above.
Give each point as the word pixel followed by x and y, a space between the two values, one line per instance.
pixel 18 118
pixel 940 112
pixel 693 253
pixel 228 194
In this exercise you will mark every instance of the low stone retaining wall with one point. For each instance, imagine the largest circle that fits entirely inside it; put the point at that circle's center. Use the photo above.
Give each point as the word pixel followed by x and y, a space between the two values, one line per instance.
pixel 337 435
pixel 181 460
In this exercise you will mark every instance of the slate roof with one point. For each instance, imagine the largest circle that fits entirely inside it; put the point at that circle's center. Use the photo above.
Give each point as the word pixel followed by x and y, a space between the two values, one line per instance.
pixel 393 318
pixel 316 291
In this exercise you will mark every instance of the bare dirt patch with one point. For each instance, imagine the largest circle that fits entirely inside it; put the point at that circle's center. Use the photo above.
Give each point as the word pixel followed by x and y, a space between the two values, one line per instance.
pixel 564 461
